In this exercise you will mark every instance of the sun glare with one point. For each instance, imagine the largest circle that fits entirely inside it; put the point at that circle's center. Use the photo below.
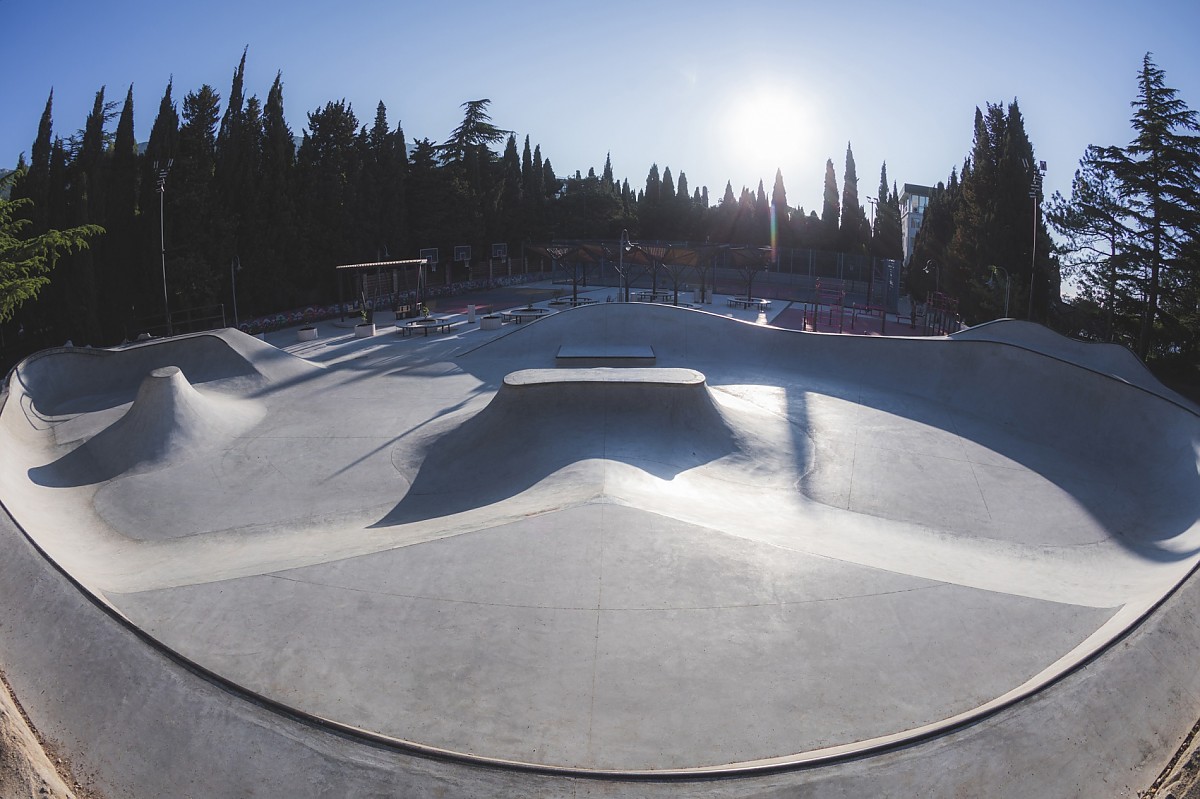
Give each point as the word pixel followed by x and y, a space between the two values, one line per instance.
pixel 767 128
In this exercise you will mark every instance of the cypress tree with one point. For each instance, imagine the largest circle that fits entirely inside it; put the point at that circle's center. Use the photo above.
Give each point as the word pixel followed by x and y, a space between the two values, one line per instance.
pixel 34 184
pixel 830 211
pixel 887 236
pixel 510 192
pixel 121 247
pixel 270 249
pixel 81 319
pixel 854 233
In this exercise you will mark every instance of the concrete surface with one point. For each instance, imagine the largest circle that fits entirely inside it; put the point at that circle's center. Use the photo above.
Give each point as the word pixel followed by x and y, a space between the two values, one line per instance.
pixel 773 560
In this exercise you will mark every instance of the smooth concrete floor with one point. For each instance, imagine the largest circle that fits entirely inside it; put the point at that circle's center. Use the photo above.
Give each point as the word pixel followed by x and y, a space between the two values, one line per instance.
pixel 807 554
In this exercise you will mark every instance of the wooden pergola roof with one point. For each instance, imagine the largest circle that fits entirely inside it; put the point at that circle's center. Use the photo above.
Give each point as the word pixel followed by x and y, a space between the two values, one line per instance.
pixel 384 264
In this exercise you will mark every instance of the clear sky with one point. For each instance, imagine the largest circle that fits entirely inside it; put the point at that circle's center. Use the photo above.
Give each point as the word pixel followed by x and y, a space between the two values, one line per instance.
pixel 720 91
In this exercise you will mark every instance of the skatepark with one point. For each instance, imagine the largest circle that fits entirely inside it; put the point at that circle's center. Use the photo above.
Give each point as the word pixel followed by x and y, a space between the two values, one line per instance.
pixel 627 549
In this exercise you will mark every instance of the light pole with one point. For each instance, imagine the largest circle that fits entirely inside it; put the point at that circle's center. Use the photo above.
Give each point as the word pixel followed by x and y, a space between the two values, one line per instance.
pixel 235 266
pixel 1007 286
pixel 1035 193
pixel 624 247
pixel 162 235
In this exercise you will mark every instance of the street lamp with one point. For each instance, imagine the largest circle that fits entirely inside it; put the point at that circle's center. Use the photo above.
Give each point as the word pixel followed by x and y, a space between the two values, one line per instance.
pixel 162 235
pixel 1035 193
pixel 235 266
pixel 624 247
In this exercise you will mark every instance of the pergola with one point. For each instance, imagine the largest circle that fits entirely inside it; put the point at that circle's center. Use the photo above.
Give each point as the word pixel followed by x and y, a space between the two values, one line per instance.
pixel 359 273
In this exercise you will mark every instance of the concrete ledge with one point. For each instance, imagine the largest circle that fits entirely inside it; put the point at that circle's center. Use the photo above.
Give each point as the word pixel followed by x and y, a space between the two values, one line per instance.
pixel 624 355
pixel 651 376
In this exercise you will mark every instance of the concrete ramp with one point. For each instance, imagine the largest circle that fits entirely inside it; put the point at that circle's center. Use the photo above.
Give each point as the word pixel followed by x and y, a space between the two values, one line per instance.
pixel 169 422
pixel 662 421
pixel 775 563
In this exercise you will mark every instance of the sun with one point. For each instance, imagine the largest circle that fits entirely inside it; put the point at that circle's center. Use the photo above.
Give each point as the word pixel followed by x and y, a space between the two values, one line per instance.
pixel 766 128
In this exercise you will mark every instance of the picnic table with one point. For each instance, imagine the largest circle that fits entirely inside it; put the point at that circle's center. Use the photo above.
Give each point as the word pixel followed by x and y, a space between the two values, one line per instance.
pixel 645 295
pixel 441 324
pixel 749 302
pixel 520 315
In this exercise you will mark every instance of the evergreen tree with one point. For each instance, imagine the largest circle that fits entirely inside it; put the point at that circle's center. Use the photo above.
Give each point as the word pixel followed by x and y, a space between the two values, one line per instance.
pixel 196 231
pixel 235 182
pixel 996 223
pixel 271 247
pixel 1092 224
pixel 650 218
pixel 762 217
pixel 887 236
pixel 34 184
pixel 785 237
pixel 854 233
pixel 830 210
pixel 667 209
pixel 684 211
pixel 1159 178
pixel 121 250
pixel 511 193
pixel 930 254
pixel 26 262
pixel 80 319
pixel 326 165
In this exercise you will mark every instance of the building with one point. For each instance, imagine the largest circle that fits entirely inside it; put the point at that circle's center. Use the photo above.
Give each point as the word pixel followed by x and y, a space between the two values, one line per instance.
pixel 913 201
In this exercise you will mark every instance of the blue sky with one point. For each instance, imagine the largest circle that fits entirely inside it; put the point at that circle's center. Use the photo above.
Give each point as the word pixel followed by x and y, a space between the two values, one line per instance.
pixel 719 91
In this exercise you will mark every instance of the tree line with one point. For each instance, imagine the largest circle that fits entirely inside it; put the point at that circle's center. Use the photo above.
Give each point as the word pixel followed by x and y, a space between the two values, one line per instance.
pixel 226 196
pixel 1128 234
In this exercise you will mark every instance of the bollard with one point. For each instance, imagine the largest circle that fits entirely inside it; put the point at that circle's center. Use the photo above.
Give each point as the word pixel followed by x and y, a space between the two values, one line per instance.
pixel 471 314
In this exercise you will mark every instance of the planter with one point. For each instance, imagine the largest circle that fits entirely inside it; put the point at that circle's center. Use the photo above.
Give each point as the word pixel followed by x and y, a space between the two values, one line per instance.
pixel 306 334
pixel 364 330
pixel 490 322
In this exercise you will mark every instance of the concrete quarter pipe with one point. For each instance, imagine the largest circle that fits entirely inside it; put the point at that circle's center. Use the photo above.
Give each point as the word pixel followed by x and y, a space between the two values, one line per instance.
pixel 470 565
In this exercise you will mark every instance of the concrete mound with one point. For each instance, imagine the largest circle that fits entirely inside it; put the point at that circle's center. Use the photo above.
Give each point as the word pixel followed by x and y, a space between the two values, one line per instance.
pixel 168 421
pixel 661 420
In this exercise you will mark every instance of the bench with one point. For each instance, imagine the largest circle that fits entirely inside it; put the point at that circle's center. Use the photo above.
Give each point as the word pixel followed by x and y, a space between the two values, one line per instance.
pixel 441 325
pixel 749 302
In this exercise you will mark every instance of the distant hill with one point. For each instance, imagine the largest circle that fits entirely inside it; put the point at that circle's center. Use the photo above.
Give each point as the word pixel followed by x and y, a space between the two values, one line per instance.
pixel 4 186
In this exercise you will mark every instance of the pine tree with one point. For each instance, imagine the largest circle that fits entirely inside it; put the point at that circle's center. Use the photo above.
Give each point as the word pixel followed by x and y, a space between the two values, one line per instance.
pixel 1159 178
pixel 26 261
pixel 1092 224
